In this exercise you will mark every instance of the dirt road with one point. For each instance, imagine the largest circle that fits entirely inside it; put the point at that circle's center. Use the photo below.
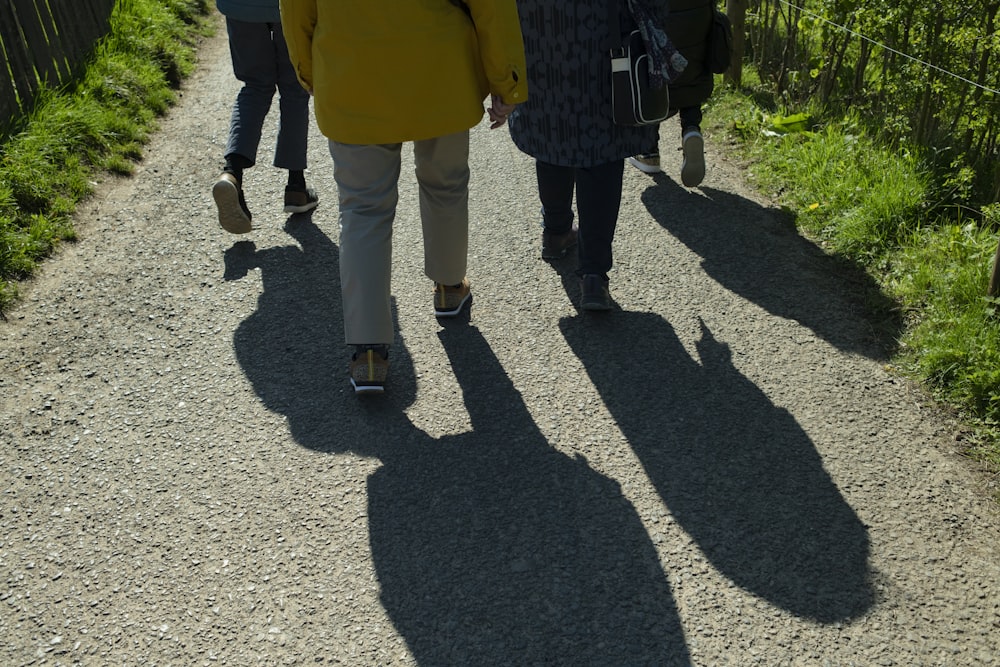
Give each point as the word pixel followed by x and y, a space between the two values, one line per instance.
pixel 722 472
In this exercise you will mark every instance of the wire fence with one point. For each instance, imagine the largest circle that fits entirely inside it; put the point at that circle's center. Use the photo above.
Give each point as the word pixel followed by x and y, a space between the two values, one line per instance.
pixel 43 43
pixel 923 73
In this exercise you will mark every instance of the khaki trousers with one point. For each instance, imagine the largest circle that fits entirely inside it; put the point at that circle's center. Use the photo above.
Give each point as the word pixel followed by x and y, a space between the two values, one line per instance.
pixel 367 179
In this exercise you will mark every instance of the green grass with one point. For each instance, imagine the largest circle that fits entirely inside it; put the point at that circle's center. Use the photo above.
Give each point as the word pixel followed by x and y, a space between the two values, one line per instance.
pixel 97 125
pixel 882 209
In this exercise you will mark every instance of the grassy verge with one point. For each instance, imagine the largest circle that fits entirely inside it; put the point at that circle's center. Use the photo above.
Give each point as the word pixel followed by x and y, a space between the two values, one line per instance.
pixel 99 124
pixel 885 211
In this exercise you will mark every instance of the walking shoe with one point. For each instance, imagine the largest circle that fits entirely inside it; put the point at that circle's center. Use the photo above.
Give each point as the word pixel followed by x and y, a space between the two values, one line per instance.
pixel 646 162
pixel 234 216
pixel 300 200
pixel 595 293
pixel 555 246
pixel 693 165
pixel 369 368
pixel 449 299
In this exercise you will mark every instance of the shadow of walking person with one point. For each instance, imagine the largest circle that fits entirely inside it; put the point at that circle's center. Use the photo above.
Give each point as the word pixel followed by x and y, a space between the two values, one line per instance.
pixel 490 547
pixel 291 348
pixel 494 548
pixel 738 473
pixel 745 248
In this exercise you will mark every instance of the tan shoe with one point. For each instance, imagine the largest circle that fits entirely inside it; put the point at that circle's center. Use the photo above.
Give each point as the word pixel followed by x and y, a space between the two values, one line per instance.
pixel 369 370
pixel 450 299
pixel 234 216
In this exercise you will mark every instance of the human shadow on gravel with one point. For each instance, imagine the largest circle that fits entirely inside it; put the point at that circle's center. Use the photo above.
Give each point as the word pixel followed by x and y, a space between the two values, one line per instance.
pixel 758 254
pixel 494 548
pixel 297 320
pixel 490 546
pixel 738 473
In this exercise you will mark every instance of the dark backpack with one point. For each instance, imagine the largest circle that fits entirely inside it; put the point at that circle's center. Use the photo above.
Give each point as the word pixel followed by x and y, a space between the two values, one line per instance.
pixel 720 44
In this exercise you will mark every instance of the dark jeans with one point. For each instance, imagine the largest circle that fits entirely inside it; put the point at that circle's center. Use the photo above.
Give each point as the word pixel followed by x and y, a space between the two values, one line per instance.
pixel 598 199
pixel 261 62
pixel 689 117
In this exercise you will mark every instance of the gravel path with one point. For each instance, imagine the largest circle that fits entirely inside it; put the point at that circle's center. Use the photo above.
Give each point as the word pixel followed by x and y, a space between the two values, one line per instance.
pixel 722 473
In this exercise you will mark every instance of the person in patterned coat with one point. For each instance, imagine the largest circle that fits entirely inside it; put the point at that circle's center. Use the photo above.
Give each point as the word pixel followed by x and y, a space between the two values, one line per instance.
pixel 566 126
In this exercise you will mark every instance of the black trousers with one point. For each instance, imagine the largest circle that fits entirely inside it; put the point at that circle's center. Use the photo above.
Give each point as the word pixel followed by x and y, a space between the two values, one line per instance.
pixel 598 200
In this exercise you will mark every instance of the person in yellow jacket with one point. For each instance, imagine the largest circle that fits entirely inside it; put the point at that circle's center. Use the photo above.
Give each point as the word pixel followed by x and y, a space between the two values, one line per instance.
pixel 386 73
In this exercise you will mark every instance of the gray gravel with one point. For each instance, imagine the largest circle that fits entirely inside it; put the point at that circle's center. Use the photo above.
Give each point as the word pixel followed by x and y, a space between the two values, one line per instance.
pixel 723 472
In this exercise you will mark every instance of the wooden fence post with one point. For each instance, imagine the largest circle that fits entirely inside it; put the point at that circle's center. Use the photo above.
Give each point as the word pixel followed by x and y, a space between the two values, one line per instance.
pixel 736 10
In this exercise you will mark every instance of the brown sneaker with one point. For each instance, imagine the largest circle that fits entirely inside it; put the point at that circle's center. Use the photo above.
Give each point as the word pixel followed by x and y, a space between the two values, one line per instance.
pixel 369 369
pixel 555 246
pixel 234 216
pixel 450 299
pixel 300 201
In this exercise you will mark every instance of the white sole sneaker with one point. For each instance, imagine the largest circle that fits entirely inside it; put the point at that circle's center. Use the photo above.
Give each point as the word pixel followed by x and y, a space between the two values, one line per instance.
pixel 693 165
pixel 227 199
pixel 643 167
pixel 367 388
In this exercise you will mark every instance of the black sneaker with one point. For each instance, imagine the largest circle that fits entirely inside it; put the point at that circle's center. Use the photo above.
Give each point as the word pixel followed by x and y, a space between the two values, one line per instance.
pixel 299 200
pixel 234 216
pixel 595 293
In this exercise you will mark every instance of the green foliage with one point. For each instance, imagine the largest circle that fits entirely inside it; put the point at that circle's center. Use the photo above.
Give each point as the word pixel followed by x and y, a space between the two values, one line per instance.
pixel 98 125
pixel 884 209
pixel 955 343
pixel 916 73
pixel 858 198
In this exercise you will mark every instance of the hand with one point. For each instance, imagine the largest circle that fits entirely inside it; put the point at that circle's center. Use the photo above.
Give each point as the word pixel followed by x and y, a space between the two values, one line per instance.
pixel 498 111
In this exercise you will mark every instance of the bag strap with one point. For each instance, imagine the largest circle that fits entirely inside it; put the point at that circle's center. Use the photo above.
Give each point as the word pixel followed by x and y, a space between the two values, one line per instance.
pixel 614 25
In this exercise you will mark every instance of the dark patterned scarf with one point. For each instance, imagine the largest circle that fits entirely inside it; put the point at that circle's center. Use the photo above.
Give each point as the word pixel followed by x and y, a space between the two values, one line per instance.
pixel 665 62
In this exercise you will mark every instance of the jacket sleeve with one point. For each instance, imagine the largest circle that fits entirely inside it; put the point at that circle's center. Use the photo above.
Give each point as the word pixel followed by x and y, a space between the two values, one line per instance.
pixel 501 48
pixel 298 22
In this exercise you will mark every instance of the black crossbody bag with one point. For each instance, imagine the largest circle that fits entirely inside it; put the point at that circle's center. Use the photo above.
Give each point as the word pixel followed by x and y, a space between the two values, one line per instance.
pixel 633 100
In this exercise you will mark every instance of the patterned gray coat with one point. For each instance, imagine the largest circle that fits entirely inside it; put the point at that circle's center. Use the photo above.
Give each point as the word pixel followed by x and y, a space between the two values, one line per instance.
pixel 567 118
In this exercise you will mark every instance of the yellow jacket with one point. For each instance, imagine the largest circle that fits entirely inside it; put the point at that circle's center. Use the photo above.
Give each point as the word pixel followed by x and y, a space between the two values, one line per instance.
pixel 388 71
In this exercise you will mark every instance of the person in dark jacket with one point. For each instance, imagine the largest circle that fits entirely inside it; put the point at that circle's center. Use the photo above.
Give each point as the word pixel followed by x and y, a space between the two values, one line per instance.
pixel 566 126
pixel 260 60
pixel 688 24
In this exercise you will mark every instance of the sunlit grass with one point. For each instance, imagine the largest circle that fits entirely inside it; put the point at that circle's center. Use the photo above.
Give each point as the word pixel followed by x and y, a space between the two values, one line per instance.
pixel 98 124
pixel 877 208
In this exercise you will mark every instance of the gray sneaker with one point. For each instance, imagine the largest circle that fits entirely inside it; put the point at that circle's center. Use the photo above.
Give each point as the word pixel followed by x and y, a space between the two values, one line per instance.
pixel 693 165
